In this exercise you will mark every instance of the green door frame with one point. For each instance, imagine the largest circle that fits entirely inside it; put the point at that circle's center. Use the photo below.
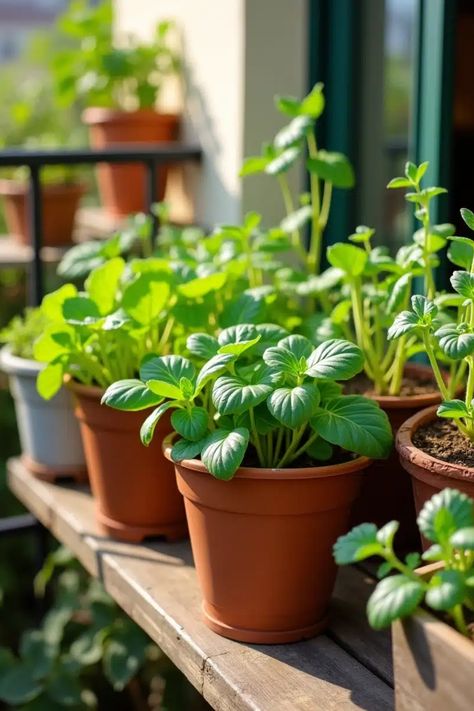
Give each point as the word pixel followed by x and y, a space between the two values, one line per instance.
pixel 333 32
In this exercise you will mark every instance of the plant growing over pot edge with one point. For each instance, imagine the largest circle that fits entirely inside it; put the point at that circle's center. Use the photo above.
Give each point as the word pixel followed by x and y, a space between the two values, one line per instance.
pixel 327 170
pixel 257 387
pixel 447 521
pixel 270 401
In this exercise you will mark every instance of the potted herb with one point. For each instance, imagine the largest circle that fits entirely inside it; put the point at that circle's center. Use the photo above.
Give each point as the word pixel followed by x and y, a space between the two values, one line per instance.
pixel 36 123
pixel 438 452
pixel 327 170
pixel 102 334
pixel 375 288
pixel 269 457
pixel 119 84
pixel 433 654
pixel 49 434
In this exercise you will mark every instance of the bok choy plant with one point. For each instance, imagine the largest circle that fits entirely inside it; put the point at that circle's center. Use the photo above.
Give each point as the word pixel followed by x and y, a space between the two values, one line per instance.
pixel 259 393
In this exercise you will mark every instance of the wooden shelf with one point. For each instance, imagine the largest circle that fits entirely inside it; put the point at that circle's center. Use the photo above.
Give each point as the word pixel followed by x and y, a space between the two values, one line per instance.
pixel 347 668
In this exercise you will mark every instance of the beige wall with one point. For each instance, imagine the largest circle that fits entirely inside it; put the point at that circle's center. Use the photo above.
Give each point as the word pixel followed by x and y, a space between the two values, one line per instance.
pixel 238 54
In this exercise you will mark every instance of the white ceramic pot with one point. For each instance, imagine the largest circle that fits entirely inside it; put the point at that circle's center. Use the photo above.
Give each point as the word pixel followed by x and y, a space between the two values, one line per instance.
pixel 49 432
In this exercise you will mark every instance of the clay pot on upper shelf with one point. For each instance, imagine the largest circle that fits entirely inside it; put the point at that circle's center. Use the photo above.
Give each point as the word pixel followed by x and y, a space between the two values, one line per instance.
pixel 49 434
pixel 134 486
pixel 59 202
pixel 432 662
pixel 123 186
pixel 429 474
pixel 386 492
pixel 262 545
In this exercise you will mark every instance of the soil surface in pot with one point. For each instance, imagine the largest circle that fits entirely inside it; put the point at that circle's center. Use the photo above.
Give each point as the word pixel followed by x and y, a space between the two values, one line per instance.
pixel 362 385
pixel 339 456
pixel 441 439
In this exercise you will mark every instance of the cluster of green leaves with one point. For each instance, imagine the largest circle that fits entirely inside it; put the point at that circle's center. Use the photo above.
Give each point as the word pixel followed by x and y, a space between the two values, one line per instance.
pixel 150 305
pixel 83 633
pixel 447 521
pixel 257 387
pixel 448 340
pixel 376 286
pixel 327 170
pixel 22 331
pixel 94 69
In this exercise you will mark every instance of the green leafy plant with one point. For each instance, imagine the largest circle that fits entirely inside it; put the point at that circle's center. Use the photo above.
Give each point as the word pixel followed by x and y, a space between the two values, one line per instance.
pixel 83 638
pixel 448 341
pixel 126 310
pixel 95 69
pixel 259 392
pixel 447 521
pixel 327 170
pixel 22 332
pixel 377 286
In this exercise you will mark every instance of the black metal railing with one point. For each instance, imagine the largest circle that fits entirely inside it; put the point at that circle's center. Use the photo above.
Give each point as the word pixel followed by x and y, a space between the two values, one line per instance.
pixel 152 156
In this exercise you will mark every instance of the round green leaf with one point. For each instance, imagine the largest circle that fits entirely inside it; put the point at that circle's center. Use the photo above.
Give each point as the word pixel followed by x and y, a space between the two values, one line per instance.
pixel 463 539
pixel 199 287
pixel 130 395
pixel 300 346
pixel 283 162
pixel 52 304
pixel 18 684
pixel 356 424
pixel 148 427
pixel 232 395
pixel 102 283
pixel 243 333
pixel 202 345
pixel 240 347
pixel 293 133
pixel 347 257
pixel 335 359
pixel 190 424
pixel 447 588
pixel 223 451
pixel 167 369
pixel 395 597
pixel 183 449
pixel 333 167
pixel 453 409
pixel 405 322
pixel 463 283
pixel 468 217
pixel 145 298
pixel 455 342
pixel 444 513
pixel 49 380
pixel 214 367
pixel 282 359
pixel 80 309
pixel 358 544
pixel 294 406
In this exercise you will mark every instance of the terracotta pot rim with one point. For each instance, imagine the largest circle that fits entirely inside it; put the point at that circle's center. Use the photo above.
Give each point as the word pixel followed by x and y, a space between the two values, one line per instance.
pixel 11 187
pixel 92 392
pixel 408 451
pixel 400 402
pixel 98 114
pixel 349 467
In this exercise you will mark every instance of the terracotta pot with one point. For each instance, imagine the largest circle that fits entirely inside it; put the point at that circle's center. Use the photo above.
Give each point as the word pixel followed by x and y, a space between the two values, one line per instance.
pixel 59 207
pixel 428 474
pixel 123 186
pixel 262 545
pixel 134 486
pixel 386 492
pixel 49 435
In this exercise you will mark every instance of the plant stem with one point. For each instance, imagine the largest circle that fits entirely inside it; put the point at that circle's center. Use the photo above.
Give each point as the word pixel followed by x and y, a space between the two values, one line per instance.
pixel 290 207
pixel 256 438
pixel 295 440
pixel 458 617
pixel 314 255
pixel 434 364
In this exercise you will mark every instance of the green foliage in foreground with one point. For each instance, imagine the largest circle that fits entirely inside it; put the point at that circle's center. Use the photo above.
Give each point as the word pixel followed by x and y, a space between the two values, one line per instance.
pixel 257 386
pixel 447 521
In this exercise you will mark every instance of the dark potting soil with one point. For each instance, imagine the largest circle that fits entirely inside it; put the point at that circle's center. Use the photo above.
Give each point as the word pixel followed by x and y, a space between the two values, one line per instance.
pixel 442 440
pixel 361 385
pixel 339 457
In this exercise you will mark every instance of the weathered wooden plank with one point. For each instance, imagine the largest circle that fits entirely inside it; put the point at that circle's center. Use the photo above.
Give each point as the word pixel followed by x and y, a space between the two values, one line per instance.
pixel 349 626
pixel 156 585
pixel 433 665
